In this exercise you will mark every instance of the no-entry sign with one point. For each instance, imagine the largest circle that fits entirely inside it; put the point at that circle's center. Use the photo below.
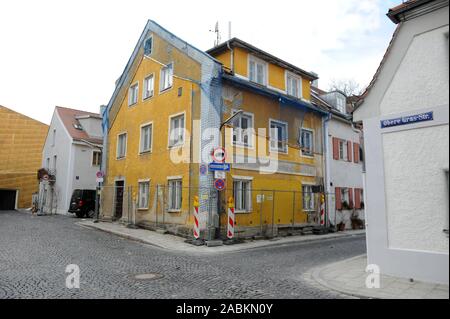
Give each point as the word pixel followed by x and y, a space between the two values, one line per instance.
pixel 219 155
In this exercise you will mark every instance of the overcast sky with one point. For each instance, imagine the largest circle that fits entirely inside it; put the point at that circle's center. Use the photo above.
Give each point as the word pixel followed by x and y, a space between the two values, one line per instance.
pixel 69 53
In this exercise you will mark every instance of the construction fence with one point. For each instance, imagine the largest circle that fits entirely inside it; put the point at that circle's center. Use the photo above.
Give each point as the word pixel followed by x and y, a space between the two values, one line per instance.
pixel 258 213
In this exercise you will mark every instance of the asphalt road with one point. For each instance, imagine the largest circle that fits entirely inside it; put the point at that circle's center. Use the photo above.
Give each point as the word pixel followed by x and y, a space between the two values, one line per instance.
pixel 35 251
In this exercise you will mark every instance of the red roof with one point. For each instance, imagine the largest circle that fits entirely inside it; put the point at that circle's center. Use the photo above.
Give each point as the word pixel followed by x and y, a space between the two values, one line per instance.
pixel 69 118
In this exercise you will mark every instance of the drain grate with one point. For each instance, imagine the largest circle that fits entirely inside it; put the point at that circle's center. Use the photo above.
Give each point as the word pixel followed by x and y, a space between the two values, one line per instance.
pixel 150 276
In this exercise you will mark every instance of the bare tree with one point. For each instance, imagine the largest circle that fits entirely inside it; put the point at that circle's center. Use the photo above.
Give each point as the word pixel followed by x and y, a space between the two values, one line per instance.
pixel 348 86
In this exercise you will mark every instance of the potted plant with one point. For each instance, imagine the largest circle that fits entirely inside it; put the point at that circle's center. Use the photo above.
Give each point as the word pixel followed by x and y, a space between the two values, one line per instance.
pixel 345 205
pixel 341 226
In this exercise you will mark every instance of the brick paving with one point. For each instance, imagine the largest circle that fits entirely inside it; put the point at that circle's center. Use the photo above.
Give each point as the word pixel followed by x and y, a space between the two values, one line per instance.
pixel 35 251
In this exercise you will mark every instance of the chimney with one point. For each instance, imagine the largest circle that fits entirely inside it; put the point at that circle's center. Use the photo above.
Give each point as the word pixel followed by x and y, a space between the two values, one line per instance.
pixel 315 83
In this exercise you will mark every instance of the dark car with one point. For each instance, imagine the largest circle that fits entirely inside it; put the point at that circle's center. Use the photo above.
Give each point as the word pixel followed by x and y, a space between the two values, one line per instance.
pixel 82 203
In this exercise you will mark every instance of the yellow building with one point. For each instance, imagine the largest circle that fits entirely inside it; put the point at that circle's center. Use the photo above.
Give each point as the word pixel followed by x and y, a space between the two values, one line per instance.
pixel 164 122
pixel 21 142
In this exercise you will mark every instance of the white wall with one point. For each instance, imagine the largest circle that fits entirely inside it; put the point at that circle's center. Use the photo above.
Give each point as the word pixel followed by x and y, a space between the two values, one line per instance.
pixel 343 173
pixel 83 168
pixel 406 186
pixel 61 149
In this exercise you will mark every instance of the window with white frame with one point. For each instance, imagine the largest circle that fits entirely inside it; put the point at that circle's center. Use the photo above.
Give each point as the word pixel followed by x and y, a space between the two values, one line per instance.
pixel 308 198
pixel 257 71
pixel 307 142
pixel 293 85
pixel 345 198
pixel 166 78
pixel 96 158
pixel 175 194
pixel 121 145
pixel 144 193
pixel 242 190
pixel 340 104
pixel 176 131
pixel 149 85
pixel 243 130
pixel 342 149
pixel 146 138
pixel 278 136
pixel 133 94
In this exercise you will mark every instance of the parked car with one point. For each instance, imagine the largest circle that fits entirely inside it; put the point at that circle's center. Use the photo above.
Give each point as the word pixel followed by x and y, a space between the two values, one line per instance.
pixel 82 203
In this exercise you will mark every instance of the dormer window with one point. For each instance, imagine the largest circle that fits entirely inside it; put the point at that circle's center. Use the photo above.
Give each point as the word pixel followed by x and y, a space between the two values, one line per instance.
pixel 257 71
pixel 293 85
pixel 340 104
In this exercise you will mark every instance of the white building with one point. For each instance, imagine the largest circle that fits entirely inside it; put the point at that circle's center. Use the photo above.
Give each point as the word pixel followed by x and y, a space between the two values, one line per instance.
pixel 71 156
pixel 405 115
pixel 344 166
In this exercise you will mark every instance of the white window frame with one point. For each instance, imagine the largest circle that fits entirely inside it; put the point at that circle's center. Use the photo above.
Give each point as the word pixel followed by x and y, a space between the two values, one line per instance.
pixel 93 157
pixel 150 149
pixel 117 148
pixel 240 195
pixel 304 129
pixel 175 145
pixel 341 108
pixel 343 155
pixel 311 205
pixel 299 84
pixel 252 58
pixel 162 79
pixel 141 205
pixel 239 133
pixel 145 90
pixel 178 201
pixel 130 96
pixel 277 150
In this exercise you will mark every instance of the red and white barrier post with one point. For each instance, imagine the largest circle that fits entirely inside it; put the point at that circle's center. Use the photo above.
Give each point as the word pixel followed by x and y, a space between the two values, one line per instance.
pixel 231 218
pixel 196 218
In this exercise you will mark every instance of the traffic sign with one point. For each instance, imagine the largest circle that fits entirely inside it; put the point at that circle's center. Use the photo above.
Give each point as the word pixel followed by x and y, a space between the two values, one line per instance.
pixel 219 184
pixel 220 174
pixel 220 167
pixel 219 155
pixel 99 174
pixel 203 169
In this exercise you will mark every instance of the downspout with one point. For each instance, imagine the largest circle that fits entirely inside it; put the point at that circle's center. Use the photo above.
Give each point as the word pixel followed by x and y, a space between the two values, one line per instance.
pixel 326 122
pixel 232 57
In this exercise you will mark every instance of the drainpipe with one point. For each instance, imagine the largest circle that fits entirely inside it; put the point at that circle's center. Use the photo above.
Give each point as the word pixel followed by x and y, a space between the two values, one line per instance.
pixel 326 122
pixel 232 57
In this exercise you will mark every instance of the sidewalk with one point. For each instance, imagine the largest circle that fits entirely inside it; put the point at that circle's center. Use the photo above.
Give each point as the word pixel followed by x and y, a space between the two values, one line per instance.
pixel 177 244
pixel 349 277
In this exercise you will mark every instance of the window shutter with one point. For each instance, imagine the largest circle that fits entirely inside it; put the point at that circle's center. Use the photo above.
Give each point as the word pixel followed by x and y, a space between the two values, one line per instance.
pixel 356 152
pixel 349 151
pixel 357 198
pixel 338 198
pixel 350 197
pixel 335 148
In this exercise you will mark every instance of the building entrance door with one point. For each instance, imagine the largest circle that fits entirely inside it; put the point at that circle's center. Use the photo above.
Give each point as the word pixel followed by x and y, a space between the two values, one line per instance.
pixel 119 189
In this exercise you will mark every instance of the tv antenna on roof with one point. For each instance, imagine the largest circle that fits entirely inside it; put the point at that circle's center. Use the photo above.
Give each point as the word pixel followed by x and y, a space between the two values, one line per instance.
pixel 217 32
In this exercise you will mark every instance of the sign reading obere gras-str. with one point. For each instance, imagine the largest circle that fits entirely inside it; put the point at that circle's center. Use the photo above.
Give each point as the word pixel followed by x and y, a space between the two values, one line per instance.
pixel 405 120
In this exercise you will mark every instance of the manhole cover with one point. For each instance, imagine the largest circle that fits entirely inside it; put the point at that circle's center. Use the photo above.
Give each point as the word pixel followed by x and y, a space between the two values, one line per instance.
pixel 147 276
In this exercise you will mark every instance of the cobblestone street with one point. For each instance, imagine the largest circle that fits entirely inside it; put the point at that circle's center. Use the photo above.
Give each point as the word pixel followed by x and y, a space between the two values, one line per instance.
pixel 35 251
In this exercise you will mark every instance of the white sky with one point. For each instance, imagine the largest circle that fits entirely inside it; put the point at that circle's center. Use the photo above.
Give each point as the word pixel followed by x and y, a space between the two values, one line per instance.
pixel 70 53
